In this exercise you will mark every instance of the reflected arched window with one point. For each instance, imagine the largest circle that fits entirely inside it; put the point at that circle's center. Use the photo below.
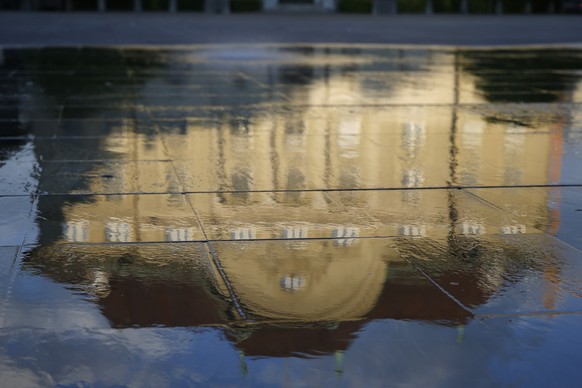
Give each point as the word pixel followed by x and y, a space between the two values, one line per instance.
pixel 291 282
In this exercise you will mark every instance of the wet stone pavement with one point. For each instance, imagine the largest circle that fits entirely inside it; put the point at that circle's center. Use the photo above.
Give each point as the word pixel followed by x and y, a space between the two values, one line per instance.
pixel 290 216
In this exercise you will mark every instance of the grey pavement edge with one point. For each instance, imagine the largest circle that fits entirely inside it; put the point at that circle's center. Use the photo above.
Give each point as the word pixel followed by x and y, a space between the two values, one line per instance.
pixel 49 29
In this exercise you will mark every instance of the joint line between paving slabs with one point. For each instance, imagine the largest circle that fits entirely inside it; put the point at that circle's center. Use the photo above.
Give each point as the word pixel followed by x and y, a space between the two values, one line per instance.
pixel 479 198
pixel 213 254
pixel 556 238
pixel 59 121
pixel 325 190
pixel 215 259
pixel 438 286
pixel 529 314
pixel 15 268
pixel 328 189
pixel 234 297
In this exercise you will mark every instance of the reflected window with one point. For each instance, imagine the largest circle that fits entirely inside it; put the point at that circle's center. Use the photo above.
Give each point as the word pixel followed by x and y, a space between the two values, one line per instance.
pixel 348 138
pixel 173 184
pixel 472 138
pixel 513 176
pixel 349 177
pixel 514 146
pixel 472 228
pixel 411 196
pixel 118 232
pixel 472 133
pixel 345 236
pixel 243 234
pixel 413 177
pixel 513 229
pixel 240 126
pixel 294 142
pixel 179 234
pixel 514 139
pixel 413 135
pixel 76 231
pixel 242 180
pixel 295 179
pixel 294 127
pixel 413 230
pixel 292 282
pixel 294 232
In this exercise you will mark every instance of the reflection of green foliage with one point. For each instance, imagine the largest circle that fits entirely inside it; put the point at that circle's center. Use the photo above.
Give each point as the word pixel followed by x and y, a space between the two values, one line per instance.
pixel 481 6
pixel 413 6
pixel 448 6
pixel 244 368
pixel 64 72
pixel 67 72
pixel 191 5
pixel 82 5
pixel 460 333
pixel 514 6
pixel 419 6
pixel 526 76
pixel 148 5
pixel 542 6
pixel 475 6
pixel 156 5
pixel 245 5
pixel 88 72
pixel 355 6
pixel 339 363
pixel 120 5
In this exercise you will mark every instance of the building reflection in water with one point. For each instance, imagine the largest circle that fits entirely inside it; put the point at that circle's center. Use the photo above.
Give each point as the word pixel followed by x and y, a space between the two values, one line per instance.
pixel 276 152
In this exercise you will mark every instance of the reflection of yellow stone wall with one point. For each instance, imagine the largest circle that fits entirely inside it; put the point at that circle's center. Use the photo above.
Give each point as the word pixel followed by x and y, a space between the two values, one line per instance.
pixel 322 147
pixel 129 219
pixel 308 281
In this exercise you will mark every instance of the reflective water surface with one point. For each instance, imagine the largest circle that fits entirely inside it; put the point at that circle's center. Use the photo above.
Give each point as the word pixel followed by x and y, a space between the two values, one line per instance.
pixel 290 216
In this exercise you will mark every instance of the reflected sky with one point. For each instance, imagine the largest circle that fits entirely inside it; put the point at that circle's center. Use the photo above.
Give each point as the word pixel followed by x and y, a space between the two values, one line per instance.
pixel 290 215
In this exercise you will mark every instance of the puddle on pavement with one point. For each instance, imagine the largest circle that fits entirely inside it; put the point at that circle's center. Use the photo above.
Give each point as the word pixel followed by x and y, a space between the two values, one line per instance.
pixel 297 215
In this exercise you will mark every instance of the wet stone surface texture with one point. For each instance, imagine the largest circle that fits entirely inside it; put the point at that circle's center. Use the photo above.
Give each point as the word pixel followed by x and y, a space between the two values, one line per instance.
pixel 290 216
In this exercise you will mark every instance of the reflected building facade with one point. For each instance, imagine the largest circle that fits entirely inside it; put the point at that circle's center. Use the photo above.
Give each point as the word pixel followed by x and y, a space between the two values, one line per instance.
pixel 330 144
